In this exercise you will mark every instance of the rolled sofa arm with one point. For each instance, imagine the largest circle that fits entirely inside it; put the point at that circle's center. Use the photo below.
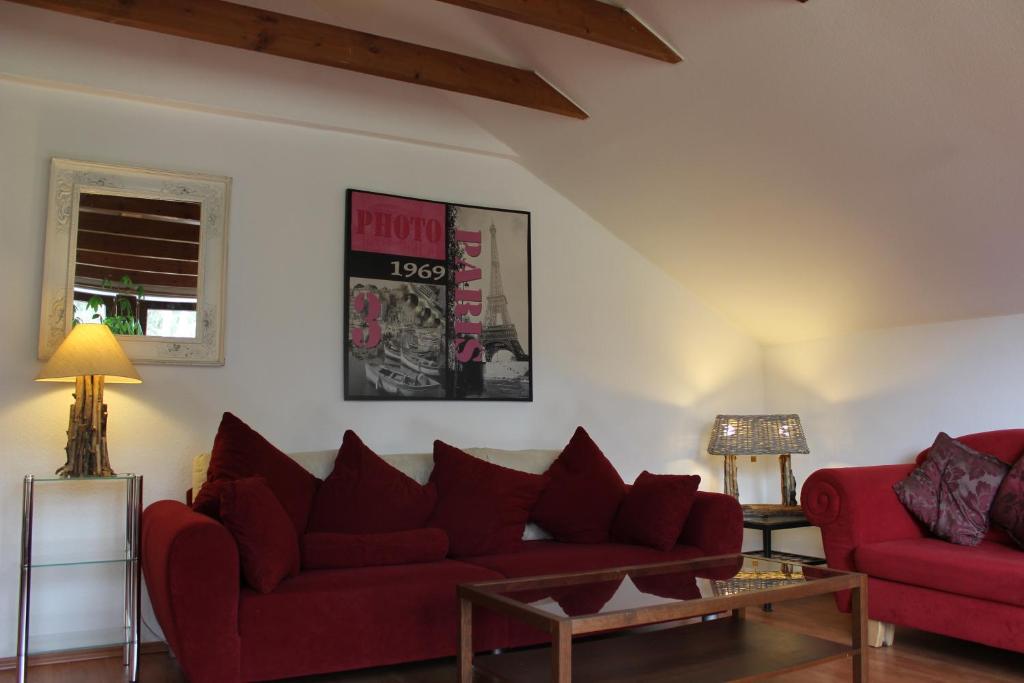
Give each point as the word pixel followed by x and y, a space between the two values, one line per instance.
pixel 715 524
pixel 854 506
pixel 190 563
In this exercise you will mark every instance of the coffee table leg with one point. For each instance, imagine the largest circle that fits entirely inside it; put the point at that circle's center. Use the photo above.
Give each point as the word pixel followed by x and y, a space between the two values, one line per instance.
pixel 561 654
pixel 465 641
pixel 860 631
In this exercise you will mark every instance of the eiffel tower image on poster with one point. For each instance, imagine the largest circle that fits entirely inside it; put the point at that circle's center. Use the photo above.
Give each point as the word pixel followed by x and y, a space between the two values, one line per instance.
pixel 499 333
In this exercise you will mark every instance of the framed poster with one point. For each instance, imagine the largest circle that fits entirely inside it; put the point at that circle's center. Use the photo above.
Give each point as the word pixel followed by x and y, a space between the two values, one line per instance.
pixel 437 301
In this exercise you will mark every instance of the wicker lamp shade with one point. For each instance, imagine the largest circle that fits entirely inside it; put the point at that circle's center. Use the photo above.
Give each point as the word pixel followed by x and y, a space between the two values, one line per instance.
pixel 755 435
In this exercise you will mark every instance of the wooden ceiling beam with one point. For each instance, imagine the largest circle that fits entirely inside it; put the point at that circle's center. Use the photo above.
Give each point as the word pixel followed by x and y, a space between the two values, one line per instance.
pixel 249 28
pixel 588 19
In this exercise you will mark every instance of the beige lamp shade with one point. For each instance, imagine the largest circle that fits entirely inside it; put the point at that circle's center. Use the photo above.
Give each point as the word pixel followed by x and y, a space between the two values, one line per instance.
pixel 90 349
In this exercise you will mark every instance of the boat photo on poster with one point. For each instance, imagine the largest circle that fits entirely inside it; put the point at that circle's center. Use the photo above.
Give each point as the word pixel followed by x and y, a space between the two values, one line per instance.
pixel 437 303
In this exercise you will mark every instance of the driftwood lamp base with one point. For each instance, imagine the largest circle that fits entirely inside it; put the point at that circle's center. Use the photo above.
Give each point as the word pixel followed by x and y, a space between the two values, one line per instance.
pixel 732 488
pixel 87 432
pixel 788 481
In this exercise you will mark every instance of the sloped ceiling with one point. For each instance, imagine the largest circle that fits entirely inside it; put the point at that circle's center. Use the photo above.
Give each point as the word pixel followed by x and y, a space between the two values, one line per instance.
pixel 808 170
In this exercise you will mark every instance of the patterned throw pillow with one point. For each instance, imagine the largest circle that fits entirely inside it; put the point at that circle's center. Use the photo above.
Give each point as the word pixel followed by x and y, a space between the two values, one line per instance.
pixel 1008 508
pixel 952 491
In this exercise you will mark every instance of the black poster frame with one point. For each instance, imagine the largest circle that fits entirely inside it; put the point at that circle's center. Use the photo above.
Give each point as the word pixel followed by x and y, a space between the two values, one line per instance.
pixel 454 376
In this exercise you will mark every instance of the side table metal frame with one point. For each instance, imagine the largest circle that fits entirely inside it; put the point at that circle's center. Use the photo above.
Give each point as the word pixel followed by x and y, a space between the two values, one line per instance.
pixel 766 525
pixel 132 571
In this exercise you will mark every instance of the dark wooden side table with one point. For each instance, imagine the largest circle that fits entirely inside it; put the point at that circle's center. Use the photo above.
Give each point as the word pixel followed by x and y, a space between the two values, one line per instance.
pixel 777 521
pixel 767 523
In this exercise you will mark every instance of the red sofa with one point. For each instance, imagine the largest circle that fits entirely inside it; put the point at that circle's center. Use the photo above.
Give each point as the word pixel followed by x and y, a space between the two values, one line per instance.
pixel 971 593
pixel 221 631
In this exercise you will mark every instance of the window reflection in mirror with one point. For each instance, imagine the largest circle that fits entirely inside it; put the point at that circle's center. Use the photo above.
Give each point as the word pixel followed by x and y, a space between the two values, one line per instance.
pixel 137 265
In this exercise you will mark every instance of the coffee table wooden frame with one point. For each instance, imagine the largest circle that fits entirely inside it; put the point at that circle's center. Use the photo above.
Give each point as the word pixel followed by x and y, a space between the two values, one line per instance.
pixel 562 629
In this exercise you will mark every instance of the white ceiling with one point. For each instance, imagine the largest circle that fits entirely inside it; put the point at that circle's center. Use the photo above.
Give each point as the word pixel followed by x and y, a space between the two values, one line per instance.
pixel 808 170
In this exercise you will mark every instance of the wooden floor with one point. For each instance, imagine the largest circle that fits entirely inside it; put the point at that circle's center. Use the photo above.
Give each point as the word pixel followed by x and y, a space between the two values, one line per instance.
pixel 916 656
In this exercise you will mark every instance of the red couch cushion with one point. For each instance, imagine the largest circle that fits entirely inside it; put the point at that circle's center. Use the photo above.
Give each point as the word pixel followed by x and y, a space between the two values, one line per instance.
pixel 952 491
pixel 268 549
pixel 537 558
pixel 1005 444
pixel 332 620
pixel 990 571
pixel 482 506
pixel 328 550
pixel 1008 508
pixel 366 495
pixel 582 495
pixel 239 452
pixel 655 509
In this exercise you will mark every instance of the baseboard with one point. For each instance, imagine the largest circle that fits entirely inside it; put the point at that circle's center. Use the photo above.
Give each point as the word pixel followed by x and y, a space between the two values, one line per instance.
pixel 68 656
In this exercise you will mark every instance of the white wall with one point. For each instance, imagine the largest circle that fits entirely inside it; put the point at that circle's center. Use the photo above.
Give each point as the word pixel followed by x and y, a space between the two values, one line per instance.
pixel 619 346
pixel 880 397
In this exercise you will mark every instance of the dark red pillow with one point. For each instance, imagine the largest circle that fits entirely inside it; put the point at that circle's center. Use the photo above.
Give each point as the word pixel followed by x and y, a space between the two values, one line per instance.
pixel 1008 507
pixel 207 501
pixel 240 452
pixel 482 506
pixel 582 495
pixel 327 550
pixel 365 495
pixel 268 549
pixel 952 491
pixel 654 511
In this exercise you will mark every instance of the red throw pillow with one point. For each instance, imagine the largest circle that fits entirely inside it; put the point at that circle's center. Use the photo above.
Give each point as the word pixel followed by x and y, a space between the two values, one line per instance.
pixel 952 491
pixel 240 452
pixel 207 501
pixel 482 506
pixel 326 550
pixel 365 495
pixel 582 495
pixel 654 511
pixel 1008 507
pixel 268 549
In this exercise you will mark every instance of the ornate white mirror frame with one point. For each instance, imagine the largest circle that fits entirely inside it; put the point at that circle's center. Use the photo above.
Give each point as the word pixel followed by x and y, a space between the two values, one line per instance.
pixel 68 180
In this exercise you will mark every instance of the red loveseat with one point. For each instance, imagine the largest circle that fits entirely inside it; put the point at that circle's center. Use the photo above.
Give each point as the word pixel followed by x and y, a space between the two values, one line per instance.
pixel 320 621
pixel 971 593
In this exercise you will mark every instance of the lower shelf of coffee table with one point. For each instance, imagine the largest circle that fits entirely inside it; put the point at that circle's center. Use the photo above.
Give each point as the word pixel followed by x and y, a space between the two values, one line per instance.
pixel 715 651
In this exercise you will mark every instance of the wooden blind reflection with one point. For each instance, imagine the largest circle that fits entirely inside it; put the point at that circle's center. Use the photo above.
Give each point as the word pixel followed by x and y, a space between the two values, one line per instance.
pixel 154 242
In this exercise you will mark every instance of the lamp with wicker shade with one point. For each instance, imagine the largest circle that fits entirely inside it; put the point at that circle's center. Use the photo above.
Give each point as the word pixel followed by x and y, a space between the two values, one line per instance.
pixel 755 435
pixel 89 356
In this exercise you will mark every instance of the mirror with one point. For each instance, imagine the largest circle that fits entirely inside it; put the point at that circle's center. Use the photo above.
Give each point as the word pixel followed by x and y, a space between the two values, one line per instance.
pixel 137 264
pixel 141 251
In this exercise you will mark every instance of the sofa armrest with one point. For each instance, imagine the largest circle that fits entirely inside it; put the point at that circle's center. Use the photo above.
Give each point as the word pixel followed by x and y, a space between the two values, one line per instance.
pixel 853 506
pixel 191 567
pixel 715 524
pixel 857 505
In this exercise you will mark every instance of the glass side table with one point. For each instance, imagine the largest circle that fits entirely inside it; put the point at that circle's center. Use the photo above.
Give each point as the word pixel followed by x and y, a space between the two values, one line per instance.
pixel 128 636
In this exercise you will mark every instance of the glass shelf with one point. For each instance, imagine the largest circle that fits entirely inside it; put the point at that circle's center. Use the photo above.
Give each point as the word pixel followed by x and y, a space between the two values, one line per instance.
pixel 76 640
pixel 72 559
pixel 119 555
pixel 53 478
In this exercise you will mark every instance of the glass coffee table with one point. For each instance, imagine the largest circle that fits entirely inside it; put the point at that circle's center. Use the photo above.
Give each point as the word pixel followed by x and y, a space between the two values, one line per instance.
pixel 616 602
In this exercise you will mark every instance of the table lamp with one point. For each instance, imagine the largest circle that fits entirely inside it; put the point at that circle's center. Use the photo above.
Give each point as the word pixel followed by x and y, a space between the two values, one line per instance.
pixel 755 435
pixel 89 356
